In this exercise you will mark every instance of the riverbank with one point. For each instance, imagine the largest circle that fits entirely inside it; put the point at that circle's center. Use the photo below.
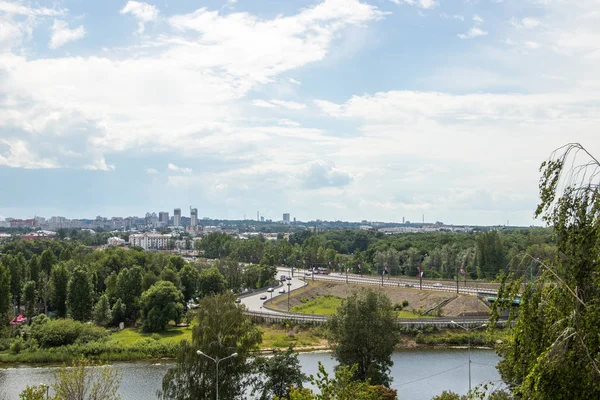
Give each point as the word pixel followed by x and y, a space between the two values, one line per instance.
pixel 132 345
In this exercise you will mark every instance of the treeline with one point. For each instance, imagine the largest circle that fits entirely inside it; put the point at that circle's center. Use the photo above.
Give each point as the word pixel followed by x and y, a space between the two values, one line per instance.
pixel 114 285
pixel 481 255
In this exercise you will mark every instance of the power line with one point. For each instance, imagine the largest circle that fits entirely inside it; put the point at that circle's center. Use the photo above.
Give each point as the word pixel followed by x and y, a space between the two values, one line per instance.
pixel 430 376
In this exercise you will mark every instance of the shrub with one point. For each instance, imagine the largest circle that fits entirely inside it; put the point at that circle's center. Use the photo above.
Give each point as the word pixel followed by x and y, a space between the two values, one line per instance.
pixel 63 332
pixel 405 303
pixel 17 345
pixel 155 336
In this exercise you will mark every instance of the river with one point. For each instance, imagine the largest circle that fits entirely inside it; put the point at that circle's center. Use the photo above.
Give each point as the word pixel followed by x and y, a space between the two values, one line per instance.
pixel 418 374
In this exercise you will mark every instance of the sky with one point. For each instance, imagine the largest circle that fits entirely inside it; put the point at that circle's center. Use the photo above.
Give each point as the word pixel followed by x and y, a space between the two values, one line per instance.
pixel 354 110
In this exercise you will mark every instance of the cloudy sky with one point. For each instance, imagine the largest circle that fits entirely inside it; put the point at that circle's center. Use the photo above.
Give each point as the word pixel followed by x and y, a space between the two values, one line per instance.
pixel 331 109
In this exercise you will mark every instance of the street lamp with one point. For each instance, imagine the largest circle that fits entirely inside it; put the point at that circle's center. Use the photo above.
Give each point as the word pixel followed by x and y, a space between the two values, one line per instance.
pixel 47 389
pixel 216 361
pixel 289 287
pixel 469 346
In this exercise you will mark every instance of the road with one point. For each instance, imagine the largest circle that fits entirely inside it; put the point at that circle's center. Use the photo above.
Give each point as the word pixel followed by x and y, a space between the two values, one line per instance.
pixel 254 303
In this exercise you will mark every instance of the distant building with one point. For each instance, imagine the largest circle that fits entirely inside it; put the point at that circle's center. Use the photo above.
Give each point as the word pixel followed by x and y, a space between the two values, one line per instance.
pixel 40 235
pixel 286 218
pixel 177 217
pixel 262 219
pixel 163 219
pixel 23 223
pixel 115 241
pixel 193 217
pixel 150 241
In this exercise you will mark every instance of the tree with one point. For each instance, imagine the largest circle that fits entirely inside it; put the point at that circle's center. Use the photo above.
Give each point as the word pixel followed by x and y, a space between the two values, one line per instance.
pixel 29 296
pixel 44 289
pixel 171 275
pixel 87 380
pixel 102 312
pixel 16 277
pixel 118 312
pixel 221 329
pixel 364 332
pixel 341 387
pixel 190 281
pixel 80 294
pixel 47 261
pixel 129 289
pixel 5 294
pixel 211 282
pixel 553 348
pixel 160 304
pixel 58 289
pixel 38 392
pixel 276 376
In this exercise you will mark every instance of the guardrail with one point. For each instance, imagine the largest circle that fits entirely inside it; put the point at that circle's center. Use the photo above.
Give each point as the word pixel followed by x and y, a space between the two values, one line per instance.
pixel 441 322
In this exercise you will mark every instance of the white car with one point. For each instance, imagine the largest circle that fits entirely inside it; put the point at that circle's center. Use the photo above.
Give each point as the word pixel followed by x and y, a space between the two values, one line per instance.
pixel 307 274
pixel 282 290
pixel 438 285
pixel 270 290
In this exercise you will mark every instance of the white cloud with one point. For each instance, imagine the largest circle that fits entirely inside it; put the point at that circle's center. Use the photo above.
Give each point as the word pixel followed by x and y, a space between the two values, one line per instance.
pixel 61 34
pixel 151 171
pixel 477 19
pixel 295 82
pixel 526 23
pixel 173 167
pixel 17 154
pixel 290 105
pixel 426 4
pixel 144 12
pixel 472 33
pixel 15 8
pixel 454 16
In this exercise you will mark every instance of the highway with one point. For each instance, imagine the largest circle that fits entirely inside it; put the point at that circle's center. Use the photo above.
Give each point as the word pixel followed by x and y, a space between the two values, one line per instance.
pixel 254 303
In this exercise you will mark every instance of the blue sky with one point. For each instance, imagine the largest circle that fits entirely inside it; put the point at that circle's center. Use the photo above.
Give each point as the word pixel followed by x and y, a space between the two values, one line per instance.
pixel 330 109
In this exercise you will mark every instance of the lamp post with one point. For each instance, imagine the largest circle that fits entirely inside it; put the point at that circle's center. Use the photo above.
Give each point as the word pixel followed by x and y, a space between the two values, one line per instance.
pixel 289 287
pixel 469 346
pixel 47 389
pixel 216 361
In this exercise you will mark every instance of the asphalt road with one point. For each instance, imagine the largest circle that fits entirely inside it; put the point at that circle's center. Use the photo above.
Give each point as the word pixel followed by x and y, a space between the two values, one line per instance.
pixel 254 303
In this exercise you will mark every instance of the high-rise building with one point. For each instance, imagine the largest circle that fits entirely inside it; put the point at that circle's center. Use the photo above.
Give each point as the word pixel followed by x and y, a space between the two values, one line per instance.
pixel 163 218
pixel 193 216
pixel 286 218
pixel 177 217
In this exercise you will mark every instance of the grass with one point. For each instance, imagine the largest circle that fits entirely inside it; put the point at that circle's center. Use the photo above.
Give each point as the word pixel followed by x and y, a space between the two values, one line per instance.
pixel 411 315
pixel 173 334
pixel 275 336
pixel 322 305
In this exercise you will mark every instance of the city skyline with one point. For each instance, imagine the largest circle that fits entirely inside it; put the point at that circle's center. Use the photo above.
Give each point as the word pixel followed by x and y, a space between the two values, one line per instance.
pixel 330 109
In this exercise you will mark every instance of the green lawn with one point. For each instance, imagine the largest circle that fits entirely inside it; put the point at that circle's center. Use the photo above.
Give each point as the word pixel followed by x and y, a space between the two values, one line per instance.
pixel 322 305
pixel 131 335
pixel 276 337
pixel 411 315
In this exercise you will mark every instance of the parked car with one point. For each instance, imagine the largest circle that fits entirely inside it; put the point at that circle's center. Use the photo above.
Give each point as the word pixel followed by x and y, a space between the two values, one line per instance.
pixel 438 285
pixel 281 290
pixel 270 289
pixel 289 278
pixel 409 285
pixel 263 297
pixel 238 300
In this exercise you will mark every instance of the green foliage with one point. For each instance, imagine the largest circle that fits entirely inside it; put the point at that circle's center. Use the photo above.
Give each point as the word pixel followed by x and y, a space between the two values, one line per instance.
pixel 341 387
pixel 553 349
pixel 211 282
pixel 87 380
pixel 364 333
pixel 449 395
pixel 160 304
pixel 129 289
pixel 58 293
pixel 63 332
pixel 102 312
pixel 5 294
pixel 34 393
pixel 80 295
pixel 118 312
pixel 47 261
pixel 29 296
pixel 190 281
pixel 221 329
pixel 277 375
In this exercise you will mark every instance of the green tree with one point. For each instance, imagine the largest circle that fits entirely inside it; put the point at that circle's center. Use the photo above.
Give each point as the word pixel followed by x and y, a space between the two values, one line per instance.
pixel 102 312
pixel 364 332
pixel 58 289
pixel 80 292
pixel 16 278
pixel 38 392
pixel 221 329
pixel 211 282
pixel 5 294
pixel 34 267
pixel 342 386
pixel 160 304
pixel 118 312
pixel 85 380
pixel 277 375
pixel 129 289
pixel 553 348
pixel 29 296
pixel 190 281
pixel 171 275
pixel 47 261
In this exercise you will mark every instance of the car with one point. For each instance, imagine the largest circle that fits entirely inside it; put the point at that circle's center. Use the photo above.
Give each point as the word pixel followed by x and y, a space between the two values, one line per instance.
pixel 438 285
pixel 281 290
pixel 238 300
pixel 307 274
pixel 263 297
pixel 409 285
pixel 270 289
pixel 289 278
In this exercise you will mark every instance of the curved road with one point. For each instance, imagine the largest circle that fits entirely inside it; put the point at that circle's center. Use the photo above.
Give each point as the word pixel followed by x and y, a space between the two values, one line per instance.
pixel 254 303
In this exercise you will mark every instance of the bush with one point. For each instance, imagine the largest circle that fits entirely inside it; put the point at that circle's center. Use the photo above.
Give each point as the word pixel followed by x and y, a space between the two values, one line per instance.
pixel 62 332
pixel 17 345
pixel 405 303
pixel 155 336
